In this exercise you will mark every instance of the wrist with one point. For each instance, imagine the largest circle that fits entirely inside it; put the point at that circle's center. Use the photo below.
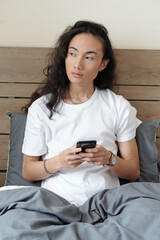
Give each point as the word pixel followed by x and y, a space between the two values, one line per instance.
pixel 112 160
pixel 50 166
pixel 109 157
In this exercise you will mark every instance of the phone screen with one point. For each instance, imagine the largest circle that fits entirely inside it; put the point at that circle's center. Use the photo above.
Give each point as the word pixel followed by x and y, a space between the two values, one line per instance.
pixel 86 144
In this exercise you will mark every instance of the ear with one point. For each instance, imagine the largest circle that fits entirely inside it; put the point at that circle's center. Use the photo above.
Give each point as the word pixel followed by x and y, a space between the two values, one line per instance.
pixel 104 64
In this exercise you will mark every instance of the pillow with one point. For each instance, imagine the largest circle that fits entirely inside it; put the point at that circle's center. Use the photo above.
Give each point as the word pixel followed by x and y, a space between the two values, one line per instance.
pixel 145 136
pixel 15 158
pixel 148 153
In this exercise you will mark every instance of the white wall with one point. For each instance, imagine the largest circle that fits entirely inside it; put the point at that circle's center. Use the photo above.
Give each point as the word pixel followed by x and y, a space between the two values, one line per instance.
pixel 133 24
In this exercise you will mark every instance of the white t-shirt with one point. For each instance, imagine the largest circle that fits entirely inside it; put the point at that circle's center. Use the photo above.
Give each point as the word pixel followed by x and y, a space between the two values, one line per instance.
pixel 105 117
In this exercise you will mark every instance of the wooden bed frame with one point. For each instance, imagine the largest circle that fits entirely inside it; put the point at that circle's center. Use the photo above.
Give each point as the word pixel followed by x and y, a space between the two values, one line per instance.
pixel 21 71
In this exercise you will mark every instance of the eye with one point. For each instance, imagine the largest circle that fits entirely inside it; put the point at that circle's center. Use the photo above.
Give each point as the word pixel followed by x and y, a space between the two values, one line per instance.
pixel 72 54
pixel 89 58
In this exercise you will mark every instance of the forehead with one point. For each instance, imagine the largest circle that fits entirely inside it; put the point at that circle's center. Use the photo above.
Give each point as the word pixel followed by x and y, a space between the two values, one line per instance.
pixel 85 42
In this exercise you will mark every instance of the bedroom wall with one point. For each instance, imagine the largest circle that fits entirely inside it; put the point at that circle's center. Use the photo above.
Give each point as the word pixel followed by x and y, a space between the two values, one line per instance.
pixel 37 23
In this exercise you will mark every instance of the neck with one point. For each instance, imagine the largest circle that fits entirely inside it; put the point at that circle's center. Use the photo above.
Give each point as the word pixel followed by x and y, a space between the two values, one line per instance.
pixel 78 96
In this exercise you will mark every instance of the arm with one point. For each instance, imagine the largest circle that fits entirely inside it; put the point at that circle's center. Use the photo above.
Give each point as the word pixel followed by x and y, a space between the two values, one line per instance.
pixel 126 167
pixel 33 168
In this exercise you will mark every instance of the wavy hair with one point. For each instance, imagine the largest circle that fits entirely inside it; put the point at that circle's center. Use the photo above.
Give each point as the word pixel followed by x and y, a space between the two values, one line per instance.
pixel 56 80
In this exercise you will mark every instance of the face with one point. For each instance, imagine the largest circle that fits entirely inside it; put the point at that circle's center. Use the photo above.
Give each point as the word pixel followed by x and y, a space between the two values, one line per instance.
pixel 84 59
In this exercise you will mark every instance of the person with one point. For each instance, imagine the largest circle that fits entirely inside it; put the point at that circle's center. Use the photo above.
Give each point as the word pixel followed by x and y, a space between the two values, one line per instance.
pixel 77 103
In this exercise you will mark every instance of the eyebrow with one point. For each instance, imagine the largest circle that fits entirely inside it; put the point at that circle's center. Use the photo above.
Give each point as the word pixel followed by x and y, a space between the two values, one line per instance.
pixel 88 52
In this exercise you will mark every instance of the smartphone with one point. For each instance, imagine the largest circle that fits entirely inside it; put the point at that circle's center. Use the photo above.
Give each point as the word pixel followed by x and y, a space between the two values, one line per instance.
pixel 86 144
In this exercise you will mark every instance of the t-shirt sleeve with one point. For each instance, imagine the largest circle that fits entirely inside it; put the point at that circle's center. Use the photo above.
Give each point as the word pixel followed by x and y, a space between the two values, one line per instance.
pixel 34 137
pixel 127 121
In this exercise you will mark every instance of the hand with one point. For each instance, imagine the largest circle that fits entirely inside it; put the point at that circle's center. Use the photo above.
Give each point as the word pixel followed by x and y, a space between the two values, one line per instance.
pixel 69 159
pixel 98 155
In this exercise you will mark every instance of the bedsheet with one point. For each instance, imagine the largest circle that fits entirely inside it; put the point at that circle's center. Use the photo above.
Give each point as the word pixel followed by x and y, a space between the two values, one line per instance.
pixel 129 212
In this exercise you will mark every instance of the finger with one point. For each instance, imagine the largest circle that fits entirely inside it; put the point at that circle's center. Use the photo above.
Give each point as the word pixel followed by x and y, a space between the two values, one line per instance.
pixel 74 165
pixel 89 155
pixel 90 160
pixel 94 150
pixel 95 162
pixel 98 163
pixel 74 162
pixel 87 160
pixel 72 151
pixel 94 159
pixel 74 157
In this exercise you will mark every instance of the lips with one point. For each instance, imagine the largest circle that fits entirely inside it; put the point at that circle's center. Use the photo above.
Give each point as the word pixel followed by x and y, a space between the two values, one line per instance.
pixel 77 75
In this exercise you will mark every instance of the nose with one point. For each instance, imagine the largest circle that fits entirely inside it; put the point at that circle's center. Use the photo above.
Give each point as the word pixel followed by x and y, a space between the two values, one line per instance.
pixel 78 63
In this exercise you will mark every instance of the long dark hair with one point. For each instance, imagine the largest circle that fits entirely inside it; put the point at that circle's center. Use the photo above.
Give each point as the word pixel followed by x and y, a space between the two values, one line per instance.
pixel 56 80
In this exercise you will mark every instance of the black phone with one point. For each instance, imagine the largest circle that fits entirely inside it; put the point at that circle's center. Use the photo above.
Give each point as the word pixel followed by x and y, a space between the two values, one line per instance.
pixel 86 144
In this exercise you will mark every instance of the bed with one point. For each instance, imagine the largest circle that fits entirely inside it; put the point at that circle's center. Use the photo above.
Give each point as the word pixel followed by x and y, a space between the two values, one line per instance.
pixel 128 212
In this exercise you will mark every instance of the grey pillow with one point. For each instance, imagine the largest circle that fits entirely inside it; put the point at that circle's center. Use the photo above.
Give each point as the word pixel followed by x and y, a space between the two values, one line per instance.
pixel 148 153
pixel 145 136
pixel 15 158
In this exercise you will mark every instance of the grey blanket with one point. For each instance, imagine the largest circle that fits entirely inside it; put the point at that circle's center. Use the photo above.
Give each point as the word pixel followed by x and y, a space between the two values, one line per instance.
pixel 129 212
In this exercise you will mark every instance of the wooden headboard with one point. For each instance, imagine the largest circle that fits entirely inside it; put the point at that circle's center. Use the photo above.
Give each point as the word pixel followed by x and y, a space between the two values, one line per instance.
pixel 21 71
